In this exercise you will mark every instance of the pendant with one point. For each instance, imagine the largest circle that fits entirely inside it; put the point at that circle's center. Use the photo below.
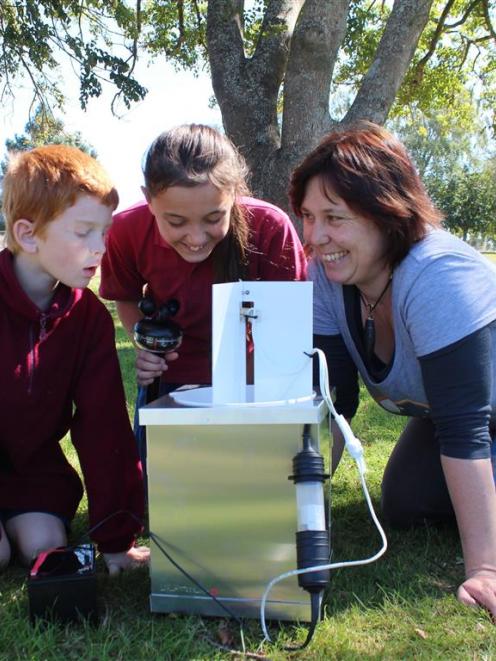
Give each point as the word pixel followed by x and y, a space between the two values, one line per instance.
pixel 369 337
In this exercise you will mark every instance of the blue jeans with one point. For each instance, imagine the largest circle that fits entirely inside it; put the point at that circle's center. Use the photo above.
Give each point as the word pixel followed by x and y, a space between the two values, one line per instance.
pixel 140 430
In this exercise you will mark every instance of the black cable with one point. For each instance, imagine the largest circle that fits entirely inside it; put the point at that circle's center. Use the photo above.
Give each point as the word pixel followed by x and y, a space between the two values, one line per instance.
pixel 168 556
pixel 315 615
pixel 153 537
pixel 194 581
pixel 87 534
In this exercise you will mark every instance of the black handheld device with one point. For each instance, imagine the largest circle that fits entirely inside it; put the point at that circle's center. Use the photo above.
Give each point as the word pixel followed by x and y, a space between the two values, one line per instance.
pixel 157 333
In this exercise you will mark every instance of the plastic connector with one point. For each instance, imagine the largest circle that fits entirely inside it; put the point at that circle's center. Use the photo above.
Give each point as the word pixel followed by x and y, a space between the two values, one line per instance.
pixel 353 445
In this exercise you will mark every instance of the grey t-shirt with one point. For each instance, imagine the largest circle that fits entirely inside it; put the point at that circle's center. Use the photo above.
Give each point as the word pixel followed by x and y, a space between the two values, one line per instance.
pixel 442 291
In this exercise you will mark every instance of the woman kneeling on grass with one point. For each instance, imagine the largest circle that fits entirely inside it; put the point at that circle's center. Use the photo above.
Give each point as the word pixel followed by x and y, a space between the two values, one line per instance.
pixel 412 309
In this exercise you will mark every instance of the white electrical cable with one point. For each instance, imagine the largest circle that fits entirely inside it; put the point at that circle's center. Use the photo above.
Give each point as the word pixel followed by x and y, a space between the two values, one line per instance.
pixel 355 449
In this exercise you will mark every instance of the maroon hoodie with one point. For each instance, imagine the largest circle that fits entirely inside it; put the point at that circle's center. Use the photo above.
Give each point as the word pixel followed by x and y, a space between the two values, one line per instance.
pixel 59 372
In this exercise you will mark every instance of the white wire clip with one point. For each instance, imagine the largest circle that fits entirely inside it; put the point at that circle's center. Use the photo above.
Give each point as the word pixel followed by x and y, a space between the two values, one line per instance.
pixel 352 443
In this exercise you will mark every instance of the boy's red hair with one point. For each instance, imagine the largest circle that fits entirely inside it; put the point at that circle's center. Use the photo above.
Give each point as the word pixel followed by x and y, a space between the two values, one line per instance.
pixel 42 183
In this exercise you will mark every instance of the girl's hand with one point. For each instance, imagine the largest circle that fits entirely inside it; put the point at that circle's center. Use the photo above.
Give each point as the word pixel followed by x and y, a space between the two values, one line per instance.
pixel 150 365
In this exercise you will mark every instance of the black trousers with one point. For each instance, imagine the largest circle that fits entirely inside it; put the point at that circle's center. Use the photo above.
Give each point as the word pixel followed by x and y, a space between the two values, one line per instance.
pixel 414 490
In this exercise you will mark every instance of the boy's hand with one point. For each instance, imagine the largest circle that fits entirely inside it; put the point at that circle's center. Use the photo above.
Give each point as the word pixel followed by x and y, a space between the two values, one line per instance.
pixel 150 365
pixel 136 556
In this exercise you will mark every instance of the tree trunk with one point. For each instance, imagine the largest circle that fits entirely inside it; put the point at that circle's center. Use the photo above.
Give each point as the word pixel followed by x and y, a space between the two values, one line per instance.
pixel 297 48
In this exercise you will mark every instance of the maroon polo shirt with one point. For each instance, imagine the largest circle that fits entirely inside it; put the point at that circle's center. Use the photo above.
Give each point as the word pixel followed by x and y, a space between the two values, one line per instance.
pixel 137 255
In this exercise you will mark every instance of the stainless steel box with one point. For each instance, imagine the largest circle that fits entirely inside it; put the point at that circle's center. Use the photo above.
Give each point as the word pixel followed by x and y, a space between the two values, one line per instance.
pixel 221 504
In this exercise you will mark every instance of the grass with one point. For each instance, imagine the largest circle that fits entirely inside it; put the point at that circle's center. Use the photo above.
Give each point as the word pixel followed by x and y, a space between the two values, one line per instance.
pixel 401 607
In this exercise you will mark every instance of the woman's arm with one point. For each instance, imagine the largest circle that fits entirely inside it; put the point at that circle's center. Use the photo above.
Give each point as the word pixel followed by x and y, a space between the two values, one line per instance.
pixel 458 384
pixel 471 487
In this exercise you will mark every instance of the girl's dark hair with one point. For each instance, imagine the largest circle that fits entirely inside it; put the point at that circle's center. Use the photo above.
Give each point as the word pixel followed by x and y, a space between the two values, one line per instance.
pixel 195 154
pixel 372 172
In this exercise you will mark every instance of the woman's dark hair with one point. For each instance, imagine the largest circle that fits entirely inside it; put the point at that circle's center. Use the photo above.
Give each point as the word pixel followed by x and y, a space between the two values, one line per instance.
pixel 195 154
pixel 371 171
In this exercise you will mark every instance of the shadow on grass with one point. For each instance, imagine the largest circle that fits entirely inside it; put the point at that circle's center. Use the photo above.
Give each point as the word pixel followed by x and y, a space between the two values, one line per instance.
pixel 420 561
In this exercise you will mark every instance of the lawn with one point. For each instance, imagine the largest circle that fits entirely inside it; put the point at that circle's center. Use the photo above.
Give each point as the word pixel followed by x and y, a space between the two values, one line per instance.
pixel 401 607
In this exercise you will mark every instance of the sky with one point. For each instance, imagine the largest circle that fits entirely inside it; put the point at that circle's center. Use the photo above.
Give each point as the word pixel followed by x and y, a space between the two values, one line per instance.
pixel 173 98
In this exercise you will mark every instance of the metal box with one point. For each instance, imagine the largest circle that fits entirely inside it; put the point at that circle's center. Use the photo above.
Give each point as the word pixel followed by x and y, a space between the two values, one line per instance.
pixel 221 504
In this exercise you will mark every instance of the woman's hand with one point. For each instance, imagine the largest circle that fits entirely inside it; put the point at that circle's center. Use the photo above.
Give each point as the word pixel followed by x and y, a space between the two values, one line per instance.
pixel 136 556
pixel 150 365
pixel 471 487
pixel 480 590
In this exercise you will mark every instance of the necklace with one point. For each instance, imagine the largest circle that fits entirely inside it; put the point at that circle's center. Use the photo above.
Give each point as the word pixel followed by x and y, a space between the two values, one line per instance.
pixel 369 329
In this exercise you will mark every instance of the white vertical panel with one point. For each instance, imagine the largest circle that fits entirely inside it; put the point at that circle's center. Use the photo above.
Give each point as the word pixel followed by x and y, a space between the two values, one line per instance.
pixel 282 332
pixel 228 344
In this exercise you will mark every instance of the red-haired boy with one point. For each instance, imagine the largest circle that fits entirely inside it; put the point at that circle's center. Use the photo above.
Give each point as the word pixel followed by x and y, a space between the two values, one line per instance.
pixel 59 370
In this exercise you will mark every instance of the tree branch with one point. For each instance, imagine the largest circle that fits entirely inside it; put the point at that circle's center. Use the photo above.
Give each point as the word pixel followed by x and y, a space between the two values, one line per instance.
pixel 276 32
pixel 434 41
pixel 394 53
pixel 317 37
pixel 225 48
pixel 133 57
pixel 487 17
pixel 180 17
pixel 247 88
pixel 467 13
pixel 199 21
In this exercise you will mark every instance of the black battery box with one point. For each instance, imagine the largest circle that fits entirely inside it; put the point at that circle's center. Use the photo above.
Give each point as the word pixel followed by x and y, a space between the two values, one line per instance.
pixel 62 585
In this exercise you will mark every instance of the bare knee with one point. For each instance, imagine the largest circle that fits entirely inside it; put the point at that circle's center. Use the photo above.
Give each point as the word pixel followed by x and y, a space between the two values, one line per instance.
pixel 4 549
pixel 35 532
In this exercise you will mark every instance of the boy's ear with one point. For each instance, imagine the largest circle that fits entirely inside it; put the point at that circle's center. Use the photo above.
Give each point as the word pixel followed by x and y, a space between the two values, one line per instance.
pixel 23 231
